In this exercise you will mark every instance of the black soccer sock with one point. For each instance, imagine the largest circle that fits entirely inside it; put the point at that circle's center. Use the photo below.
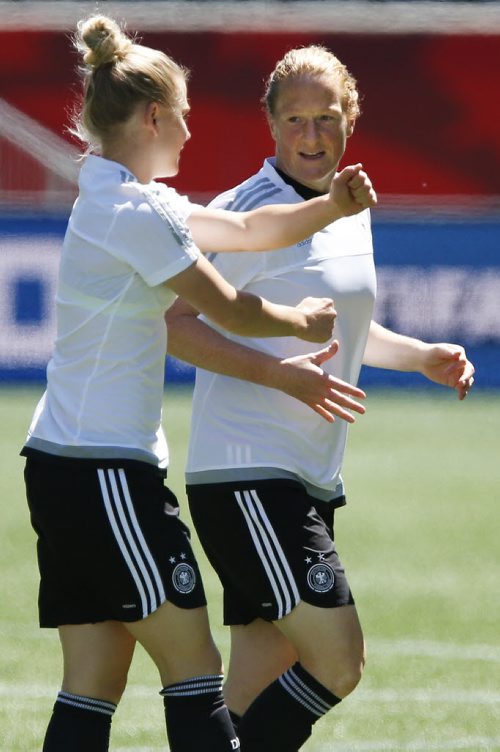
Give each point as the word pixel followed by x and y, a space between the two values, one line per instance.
pixel 197 717
pixel 282 716
pixel 79 724
pixel 235 718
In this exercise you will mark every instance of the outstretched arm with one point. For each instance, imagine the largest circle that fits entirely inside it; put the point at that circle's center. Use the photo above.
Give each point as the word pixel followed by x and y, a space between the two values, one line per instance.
pixel 243 313
pixel 300 377
pixel 280 225
pixel 442 362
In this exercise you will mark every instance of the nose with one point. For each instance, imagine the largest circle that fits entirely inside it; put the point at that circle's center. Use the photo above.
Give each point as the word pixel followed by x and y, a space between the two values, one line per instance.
pixel 187 133
pixel 310 131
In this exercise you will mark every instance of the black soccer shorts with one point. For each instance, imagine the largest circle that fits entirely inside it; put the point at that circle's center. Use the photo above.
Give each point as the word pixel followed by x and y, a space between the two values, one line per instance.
pixel 271 544
pixel 110 542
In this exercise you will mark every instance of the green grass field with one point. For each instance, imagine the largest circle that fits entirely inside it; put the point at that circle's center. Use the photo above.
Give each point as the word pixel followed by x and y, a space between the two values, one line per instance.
pixel 420 539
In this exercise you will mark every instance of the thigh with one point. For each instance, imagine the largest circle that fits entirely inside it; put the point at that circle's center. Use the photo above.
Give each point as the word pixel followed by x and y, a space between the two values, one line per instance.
pixel 96 659
pixel 260 653
pixel 329 644
pixel 179 641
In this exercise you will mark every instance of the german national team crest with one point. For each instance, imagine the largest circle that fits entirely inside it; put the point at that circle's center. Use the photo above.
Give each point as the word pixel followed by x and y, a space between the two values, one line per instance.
pixel 184 578
pixel 320 577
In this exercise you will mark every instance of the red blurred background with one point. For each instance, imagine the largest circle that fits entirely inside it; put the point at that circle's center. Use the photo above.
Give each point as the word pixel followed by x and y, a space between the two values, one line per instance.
pixel 430 102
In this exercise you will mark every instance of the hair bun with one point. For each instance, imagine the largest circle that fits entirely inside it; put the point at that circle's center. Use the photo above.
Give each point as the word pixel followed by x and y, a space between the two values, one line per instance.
pixel 101 41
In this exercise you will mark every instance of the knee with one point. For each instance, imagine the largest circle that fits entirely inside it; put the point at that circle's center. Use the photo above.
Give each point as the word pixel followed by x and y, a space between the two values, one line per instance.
pixel 346 678
pixel 114 687
pixel 343 676
pixel 192 660
pixel 100 685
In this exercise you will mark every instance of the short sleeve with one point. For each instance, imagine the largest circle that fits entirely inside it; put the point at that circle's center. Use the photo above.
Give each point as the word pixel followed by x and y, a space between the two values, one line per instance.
pixel 149 232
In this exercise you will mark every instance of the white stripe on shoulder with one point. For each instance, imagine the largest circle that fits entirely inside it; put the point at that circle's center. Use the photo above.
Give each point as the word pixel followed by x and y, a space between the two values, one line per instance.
pixel 251 195
pixel 166 211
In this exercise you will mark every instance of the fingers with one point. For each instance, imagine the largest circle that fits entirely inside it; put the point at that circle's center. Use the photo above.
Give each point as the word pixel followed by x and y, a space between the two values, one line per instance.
pixel 326 353
pixel 464 386
pixel 348 173
pixel 326 414
pixel 320 317
pixel 362 190
pixel 329 409
pixel 337 386
pixel 338 403
pixel 461 372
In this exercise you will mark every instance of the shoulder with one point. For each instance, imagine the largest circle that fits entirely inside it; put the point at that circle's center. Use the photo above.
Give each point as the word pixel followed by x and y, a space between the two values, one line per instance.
pixel 154 204
pixel 264 187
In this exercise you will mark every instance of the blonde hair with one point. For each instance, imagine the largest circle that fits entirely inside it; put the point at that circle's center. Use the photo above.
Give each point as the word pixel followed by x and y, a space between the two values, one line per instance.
pixel 314 60
pixel 117 74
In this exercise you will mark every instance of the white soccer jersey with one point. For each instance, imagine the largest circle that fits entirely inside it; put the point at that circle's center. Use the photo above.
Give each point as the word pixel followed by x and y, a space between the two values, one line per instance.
pixel 105 379
pixel 243 431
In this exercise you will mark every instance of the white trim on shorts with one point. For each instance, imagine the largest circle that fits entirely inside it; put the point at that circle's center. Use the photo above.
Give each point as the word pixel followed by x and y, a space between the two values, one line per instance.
pixel 130 539
pixel 269 551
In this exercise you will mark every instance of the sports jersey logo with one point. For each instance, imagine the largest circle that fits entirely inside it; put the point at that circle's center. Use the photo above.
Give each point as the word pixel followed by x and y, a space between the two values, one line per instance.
pixel 320 578
pixel 307 241
pixel 184 578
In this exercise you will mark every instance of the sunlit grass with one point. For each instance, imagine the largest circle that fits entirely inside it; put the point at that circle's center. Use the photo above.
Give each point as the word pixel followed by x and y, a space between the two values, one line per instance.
pixel 419 538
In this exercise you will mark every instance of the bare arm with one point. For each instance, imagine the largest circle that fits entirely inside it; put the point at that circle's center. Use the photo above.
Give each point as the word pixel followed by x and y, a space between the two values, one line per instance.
pixel 243 313
pixel 301 377
pixel 281 225
pixel 441 362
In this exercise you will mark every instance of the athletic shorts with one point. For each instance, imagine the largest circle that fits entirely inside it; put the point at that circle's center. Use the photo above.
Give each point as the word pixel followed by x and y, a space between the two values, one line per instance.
pixel 271 545
pixel 110 542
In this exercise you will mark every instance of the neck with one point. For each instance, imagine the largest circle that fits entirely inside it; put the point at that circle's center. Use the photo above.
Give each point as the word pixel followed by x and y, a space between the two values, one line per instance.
pixel 303 190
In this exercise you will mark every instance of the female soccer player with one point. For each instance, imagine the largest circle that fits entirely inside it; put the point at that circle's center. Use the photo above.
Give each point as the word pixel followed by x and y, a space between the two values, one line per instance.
pixel 263 470
pixel 115 560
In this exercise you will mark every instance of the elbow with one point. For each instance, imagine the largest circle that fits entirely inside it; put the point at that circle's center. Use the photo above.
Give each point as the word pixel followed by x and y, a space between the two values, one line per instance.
pixel 177 332
pixel 170 318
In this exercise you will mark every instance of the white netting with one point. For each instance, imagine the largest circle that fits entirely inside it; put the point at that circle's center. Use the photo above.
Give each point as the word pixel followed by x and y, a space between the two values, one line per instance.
pixel 37 167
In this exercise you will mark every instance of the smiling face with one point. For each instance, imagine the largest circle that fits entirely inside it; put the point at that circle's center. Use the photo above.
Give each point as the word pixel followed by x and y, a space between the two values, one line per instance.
pixel 310 129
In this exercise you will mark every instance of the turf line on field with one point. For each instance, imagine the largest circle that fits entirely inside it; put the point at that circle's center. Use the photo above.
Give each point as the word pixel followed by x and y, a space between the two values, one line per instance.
pixel 434 649
pixel 474 743
pixel 28 692
pixel 453 696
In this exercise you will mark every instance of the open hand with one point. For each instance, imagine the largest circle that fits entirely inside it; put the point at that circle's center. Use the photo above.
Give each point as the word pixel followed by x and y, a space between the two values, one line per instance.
pixel 305 380
pixel 447 364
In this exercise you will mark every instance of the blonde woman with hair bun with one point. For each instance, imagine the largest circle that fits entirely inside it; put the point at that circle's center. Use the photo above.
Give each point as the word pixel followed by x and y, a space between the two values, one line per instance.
pixel 116 564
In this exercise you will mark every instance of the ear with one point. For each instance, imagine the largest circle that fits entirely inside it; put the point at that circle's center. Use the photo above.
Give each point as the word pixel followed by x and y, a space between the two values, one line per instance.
pixel 350 127
pixel 151 114
pixel 271 124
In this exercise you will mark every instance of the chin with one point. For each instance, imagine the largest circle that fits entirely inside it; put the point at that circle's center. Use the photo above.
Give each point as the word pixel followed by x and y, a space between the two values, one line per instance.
pixel 168 172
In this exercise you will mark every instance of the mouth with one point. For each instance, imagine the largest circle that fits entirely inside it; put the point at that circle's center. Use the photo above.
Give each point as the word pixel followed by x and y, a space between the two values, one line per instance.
pixel 312 156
